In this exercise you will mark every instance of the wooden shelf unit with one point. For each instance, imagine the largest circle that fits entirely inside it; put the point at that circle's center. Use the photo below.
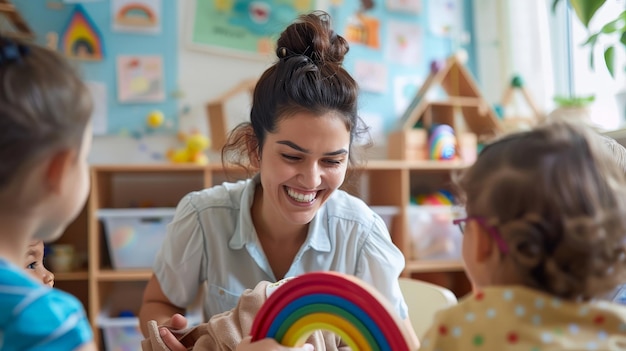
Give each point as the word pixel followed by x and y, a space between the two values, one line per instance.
pixel 379 183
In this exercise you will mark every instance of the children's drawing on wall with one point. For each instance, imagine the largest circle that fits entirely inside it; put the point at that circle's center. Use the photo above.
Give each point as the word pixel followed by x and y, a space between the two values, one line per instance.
pixel 404 41
pixel 140 79
pixel 405 6
pixel 136 16
pixel 404 90
pixel 364 30
pixel 444 17
pixel 99 116
pixel 80 38
pixel 242 27
pixel 371 76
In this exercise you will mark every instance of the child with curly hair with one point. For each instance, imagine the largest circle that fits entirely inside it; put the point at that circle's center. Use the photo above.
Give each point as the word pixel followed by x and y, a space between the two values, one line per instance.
pixel 544 240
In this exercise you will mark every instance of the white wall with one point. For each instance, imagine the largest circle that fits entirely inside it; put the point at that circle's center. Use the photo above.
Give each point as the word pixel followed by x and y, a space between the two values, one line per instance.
pixel 202 76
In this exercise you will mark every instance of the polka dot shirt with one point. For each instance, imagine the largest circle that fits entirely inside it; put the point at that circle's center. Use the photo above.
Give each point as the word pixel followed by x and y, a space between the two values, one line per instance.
pixel 518 318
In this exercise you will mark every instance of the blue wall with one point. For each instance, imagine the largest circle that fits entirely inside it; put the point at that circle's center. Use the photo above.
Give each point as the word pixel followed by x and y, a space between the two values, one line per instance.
pixel 433 47
pixel 121 117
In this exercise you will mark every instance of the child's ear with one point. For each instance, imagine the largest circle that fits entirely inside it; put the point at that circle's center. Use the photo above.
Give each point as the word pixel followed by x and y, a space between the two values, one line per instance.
pixel 484 245
pixel 58 165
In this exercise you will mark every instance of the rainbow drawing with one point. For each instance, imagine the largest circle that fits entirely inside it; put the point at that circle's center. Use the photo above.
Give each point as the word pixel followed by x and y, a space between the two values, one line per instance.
pixel 81 38
pixel 331 301
pixel 136 14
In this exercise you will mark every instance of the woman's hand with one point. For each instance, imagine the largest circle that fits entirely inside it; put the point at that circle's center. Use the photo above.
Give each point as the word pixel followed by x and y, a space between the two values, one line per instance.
pixel 268 345
pixel 169 336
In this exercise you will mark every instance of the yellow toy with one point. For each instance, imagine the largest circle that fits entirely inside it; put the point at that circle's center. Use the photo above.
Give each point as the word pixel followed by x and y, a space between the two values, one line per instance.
pixel 193 152
pixel 155 119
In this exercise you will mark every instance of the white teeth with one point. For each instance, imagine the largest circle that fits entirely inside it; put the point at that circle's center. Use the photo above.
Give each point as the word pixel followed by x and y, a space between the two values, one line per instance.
pixel 301 197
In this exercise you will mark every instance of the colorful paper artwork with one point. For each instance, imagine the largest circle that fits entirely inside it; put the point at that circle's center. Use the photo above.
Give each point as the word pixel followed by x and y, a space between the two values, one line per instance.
pixel 99 117
pixel 404 43
pixel 405 6
pixel 81 39
pixel 140 79
pixel 371 76
pixel 138 16
pixel 363 30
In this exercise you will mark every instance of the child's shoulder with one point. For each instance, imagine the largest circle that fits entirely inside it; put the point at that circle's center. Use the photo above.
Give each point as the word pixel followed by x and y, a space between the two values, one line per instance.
pixel 19 294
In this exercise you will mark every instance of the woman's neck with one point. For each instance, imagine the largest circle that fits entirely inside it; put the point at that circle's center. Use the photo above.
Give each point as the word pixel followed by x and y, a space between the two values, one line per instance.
pixel 272 228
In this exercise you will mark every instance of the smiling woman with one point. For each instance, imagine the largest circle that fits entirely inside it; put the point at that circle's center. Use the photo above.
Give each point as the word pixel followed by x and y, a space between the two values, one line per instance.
pixel 290 217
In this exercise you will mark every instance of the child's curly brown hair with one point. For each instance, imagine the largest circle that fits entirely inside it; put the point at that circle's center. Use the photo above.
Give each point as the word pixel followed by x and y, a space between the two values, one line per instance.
pixel 558 199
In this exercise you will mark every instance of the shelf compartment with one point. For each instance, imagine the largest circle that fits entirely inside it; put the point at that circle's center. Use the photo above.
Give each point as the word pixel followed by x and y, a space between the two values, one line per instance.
pixel 69 276
pixel 422 266
pixel 124 275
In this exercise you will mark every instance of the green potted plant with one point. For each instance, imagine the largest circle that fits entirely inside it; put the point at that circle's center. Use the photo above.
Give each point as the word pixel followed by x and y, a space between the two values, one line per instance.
pixel 575 107
pixel 616 28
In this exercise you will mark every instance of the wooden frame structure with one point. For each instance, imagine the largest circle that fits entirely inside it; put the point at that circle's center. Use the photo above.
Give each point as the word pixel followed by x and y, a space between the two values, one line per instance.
pixel 216 114
pixel 11 17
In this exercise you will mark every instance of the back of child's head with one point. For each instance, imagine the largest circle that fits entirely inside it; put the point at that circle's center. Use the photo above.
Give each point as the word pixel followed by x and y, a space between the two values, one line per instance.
pixel 558 199
pixel 617 151
pixel 44 106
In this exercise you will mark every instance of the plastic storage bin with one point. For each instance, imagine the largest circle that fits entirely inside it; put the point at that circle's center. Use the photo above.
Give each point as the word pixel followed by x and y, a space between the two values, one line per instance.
pixel 433 236
pixel 123 333
pixel 120 334
pixel 134 235
pixel 386 213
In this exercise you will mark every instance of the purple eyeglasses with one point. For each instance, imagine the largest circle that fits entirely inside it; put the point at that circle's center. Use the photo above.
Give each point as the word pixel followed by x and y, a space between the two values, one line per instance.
pixel 493 232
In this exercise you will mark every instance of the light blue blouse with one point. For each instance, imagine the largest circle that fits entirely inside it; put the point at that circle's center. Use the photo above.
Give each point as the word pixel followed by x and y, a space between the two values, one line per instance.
pixel 212 243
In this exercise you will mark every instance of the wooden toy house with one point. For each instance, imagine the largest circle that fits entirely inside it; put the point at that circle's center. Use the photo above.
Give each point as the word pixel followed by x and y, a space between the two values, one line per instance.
pixel 463 108
pixel 216 113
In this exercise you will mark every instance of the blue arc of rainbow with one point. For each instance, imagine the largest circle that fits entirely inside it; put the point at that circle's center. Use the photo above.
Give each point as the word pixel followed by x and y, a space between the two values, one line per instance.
pixel 333 301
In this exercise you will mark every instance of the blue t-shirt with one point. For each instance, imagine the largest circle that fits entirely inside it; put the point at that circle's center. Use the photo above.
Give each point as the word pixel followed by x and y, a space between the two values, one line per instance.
pixel 36 317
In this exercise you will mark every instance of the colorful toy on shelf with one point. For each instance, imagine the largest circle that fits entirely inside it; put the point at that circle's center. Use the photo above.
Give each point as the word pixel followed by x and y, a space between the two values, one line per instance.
pixel 442 143
pixel 335 302
pixel 438 198
pixel 155 119
pixel 193 152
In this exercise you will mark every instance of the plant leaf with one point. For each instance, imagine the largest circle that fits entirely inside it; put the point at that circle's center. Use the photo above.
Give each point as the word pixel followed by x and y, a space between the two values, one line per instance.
pixel 591 41
pixel 609 60
pixel 554 5
pixel 585 9
pixel 622 39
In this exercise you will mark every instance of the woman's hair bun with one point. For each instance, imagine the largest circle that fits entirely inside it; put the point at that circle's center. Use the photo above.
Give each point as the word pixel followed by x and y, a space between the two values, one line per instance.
pixel 311 35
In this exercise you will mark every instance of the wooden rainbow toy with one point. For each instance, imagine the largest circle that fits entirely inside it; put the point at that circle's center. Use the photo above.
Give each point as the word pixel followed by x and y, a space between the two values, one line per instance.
pixel 331 301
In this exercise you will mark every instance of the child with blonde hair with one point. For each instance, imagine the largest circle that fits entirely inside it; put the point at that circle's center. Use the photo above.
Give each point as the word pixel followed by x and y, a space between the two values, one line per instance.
pixel 45 137
pixel 544 239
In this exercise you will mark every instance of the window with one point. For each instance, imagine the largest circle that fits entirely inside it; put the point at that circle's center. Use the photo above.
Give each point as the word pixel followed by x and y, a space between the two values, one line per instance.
pixel 578 79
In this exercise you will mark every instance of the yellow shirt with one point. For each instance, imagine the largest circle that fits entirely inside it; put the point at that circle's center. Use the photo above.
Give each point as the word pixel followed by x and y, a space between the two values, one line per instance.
pixel 519 318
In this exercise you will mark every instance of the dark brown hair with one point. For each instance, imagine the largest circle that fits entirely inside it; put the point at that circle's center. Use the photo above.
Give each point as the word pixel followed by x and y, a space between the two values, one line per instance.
pixel 43 105
pixel 307 77
pixel 559 201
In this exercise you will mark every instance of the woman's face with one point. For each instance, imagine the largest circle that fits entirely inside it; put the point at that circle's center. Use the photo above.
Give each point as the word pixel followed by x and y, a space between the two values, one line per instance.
pixel 301 165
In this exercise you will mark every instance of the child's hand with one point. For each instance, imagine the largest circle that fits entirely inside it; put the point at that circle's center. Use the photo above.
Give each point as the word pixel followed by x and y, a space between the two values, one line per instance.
pixel 169 336
pixel 268 345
